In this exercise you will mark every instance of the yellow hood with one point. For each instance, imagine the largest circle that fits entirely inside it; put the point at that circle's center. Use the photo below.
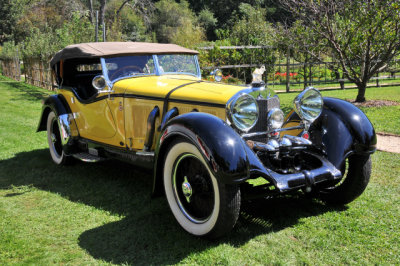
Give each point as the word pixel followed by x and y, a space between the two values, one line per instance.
pixel 190 88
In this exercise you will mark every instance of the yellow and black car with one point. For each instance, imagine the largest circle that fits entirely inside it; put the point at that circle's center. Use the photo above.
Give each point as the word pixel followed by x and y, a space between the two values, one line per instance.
pixel 146 104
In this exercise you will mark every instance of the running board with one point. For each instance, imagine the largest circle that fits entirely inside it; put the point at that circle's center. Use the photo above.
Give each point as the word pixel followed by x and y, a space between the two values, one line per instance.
pixel 87 157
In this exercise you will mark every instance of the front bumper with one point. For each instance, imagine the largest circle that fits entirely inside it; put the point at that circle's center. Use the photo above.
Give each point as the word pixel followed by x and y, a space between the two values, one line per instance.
pixel 306 178
pixel 315 169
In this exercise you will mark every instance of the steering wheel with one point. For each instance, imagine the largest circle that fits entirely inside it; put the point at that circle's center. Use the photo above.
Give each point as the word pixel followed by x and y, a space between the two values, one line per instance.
pixel 127 70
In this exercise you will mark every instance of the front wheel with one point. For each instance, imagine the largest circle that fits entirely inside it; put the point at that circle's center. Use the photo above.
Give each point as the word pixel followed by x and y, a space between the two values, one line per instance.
pixel 356 175
pixel 54 139
pixel 201 205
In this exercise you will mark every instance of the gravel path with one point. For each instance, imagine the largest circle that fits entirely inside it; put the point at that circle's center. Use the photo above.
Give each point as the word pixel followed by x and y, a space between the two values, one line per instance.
pixel 387 142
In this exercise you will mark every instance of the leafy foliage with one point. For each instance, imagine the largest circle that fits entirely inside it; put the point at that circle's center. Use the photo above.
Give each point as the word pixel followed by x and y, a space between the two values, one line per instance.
pixel 363 35
pixel 175 22
pixel 250 27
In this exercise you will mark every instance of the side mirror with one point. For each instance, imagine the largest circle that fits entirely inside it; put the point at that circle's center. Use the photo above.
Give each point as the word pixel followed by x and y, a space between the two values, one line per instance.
pixel 99 83
pixel 217 75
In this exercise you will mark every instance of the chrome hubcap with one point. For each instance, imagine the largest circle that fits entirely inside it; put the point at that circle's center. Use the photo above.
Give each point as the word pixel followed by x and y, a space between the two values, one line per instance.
pixel 187 189
pixel 193 188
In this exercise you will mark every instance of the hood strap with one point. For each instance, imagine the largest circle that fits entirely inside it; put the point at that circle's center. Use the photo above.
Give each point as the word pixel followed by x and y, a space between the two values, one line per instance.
pixel 167 97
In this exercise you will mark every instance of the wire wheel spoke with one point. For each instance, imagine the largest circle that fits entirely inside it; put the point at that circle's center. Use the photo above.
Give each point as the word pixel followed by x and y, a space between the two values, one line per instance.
pixel 193 188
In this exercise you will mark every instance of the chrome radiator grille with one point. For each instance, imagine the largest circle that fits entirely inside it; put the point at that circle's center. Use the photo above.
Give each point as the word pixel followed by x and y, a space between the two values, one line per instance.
pixel 264 105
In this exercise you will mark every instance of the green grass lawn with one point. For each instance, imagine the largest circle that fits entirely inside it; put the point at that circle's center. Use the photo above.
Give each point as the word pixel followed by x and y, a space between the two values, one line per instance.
pixel 102 213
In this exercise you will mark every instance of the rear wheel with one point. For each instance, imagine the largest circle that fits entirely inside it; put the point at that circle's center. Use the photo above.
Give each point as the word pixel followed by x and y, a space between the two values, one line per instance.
pixel 356 175
pixel 54 140
pixel 201 205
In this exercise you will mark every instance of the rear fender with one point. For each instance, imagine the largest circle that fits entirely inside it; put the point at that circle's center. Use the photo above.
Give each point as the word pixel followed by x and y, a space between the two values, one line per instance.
pixel 66 121
pixel 55 103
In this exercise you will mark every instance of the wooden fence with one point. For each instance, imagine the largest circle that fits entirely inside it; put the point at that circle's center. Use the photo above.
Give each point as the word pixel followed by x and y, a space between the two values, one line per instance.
pixel 38 73
pixel 11 68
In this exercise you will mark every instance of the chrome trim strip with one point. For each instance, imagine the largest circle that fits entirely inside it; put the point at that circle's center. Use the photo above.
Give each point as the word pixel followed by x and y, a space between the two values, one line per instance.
pixel 145 153
pixel 156 65
pixel 301 126
pixel 255 134
pixel 65 128
pixel 197 66
pixel 105 73
pixel 298 140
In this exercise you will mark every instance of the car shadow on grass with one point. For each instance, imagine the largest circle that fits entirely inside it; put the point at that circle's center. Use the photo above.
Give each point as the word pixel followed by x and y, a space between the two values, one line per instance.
pixel 27 92
pixel 148 232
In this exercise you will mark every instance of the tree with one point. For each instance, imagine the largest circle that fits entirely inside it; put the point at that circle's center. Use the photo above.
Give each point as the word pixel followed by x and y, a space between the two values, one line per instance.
pixel 363 35
pixel 250 27
pixel 10 12
pixel 176 23
pixel 208 22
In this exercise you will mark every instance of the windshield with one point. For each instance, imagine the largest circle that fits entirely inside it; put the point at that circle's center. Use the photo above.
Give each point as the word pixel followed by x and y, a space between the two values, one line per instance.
pixel 178 64
pixel 128 66
pixel 139 65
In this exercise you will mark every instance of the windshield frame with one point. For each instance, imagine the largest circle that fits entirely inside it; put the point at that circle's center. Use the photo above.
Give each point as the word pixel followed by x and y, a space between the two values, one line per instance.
pixel 158 71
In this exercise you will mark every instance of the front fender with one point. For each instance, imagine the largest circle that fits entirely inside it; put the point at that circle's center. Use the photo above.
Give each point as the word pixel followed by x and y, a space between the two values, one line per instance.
pixel 341 130
pixel 345 129
pixel 220 145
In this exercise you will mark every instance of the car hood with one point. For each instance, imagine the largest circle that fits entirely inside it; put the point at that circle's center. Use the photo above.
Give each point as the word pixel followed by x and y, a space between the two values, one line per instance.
pixel 178 88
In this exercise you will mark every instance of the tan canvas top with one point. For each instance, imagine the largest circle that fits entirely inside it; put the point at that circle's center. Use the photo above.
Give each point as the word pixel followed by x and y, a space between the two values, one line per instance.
pixel 104 49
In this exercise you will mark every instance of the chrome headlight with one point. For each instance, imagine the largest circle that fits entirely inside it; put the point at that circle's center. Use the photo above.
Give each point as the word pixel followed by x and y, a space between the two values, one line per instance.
pixel 243 112
pixel 275 118
pixel 308 104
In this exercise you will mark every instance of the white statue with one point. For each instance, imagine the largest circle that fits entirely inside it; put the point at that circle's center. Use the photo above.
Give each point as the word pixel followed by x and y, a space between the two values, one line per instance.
pixel 257 74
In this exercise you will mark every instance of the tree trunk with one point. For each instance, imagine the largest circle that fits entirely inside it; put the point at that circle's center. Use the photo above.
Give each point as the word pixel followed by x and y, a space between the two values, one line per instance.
pixel 102 11
pixel 121 7
pixel 361 92
pixel 91 11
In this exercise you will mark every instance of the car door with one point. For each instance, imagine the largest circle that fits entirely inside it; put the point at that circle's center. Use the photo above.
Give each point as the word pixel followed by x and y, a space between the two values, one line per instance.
pixel 93 117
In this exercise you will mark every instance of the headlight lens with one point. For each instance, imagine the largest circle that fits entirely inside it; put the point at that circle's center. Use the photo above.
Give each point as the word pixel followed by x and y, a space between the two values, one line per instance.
pixel 275 118
pixel 244 112
pixel 308 104
pixel 217 74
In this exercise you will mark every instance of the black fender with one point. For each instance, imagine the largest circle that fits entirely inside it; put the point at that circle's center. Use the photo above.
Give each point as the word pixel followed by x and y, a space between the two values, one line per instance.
pixel 56 103
pixel 341 130
pixel 345 130
pixel 222 148
pixel 66 122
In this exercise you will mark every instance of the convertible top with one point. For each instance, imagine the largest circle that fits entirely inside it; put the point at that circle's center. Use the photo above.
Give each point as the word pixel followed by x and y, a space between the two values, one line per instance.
pixel 108 49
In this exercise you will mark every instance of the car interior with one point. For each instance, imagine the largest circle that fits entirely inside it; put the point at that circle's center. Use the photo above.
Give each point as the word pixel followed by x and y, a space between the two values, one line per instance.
pixel 79 74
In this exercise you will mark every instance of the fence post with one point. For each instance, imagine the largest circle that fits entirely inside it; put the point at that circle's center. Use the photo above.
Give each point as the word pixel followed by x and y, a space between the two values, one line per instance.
pixel 18 72
pixel 288 70
pixel 97 27
pixel 104 31
pixel 377 79
pixel 305 71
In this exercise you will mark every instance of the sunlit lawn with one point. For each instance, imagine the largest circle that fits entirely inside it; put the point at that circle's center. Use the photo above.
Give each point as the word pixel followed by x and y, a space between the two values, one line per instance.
pixel 102 213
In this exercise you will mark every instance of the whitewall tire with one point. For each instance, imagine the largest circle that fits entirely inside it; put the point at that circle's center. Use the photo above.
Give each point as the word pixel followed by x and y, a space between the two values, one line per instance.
pixel 54 139
pixel 200 204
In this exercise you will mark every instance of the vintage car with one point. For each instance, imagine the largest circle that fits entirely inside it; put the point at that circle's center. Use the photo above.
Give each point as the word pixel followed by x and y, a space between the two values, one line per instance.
pixel 209 144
